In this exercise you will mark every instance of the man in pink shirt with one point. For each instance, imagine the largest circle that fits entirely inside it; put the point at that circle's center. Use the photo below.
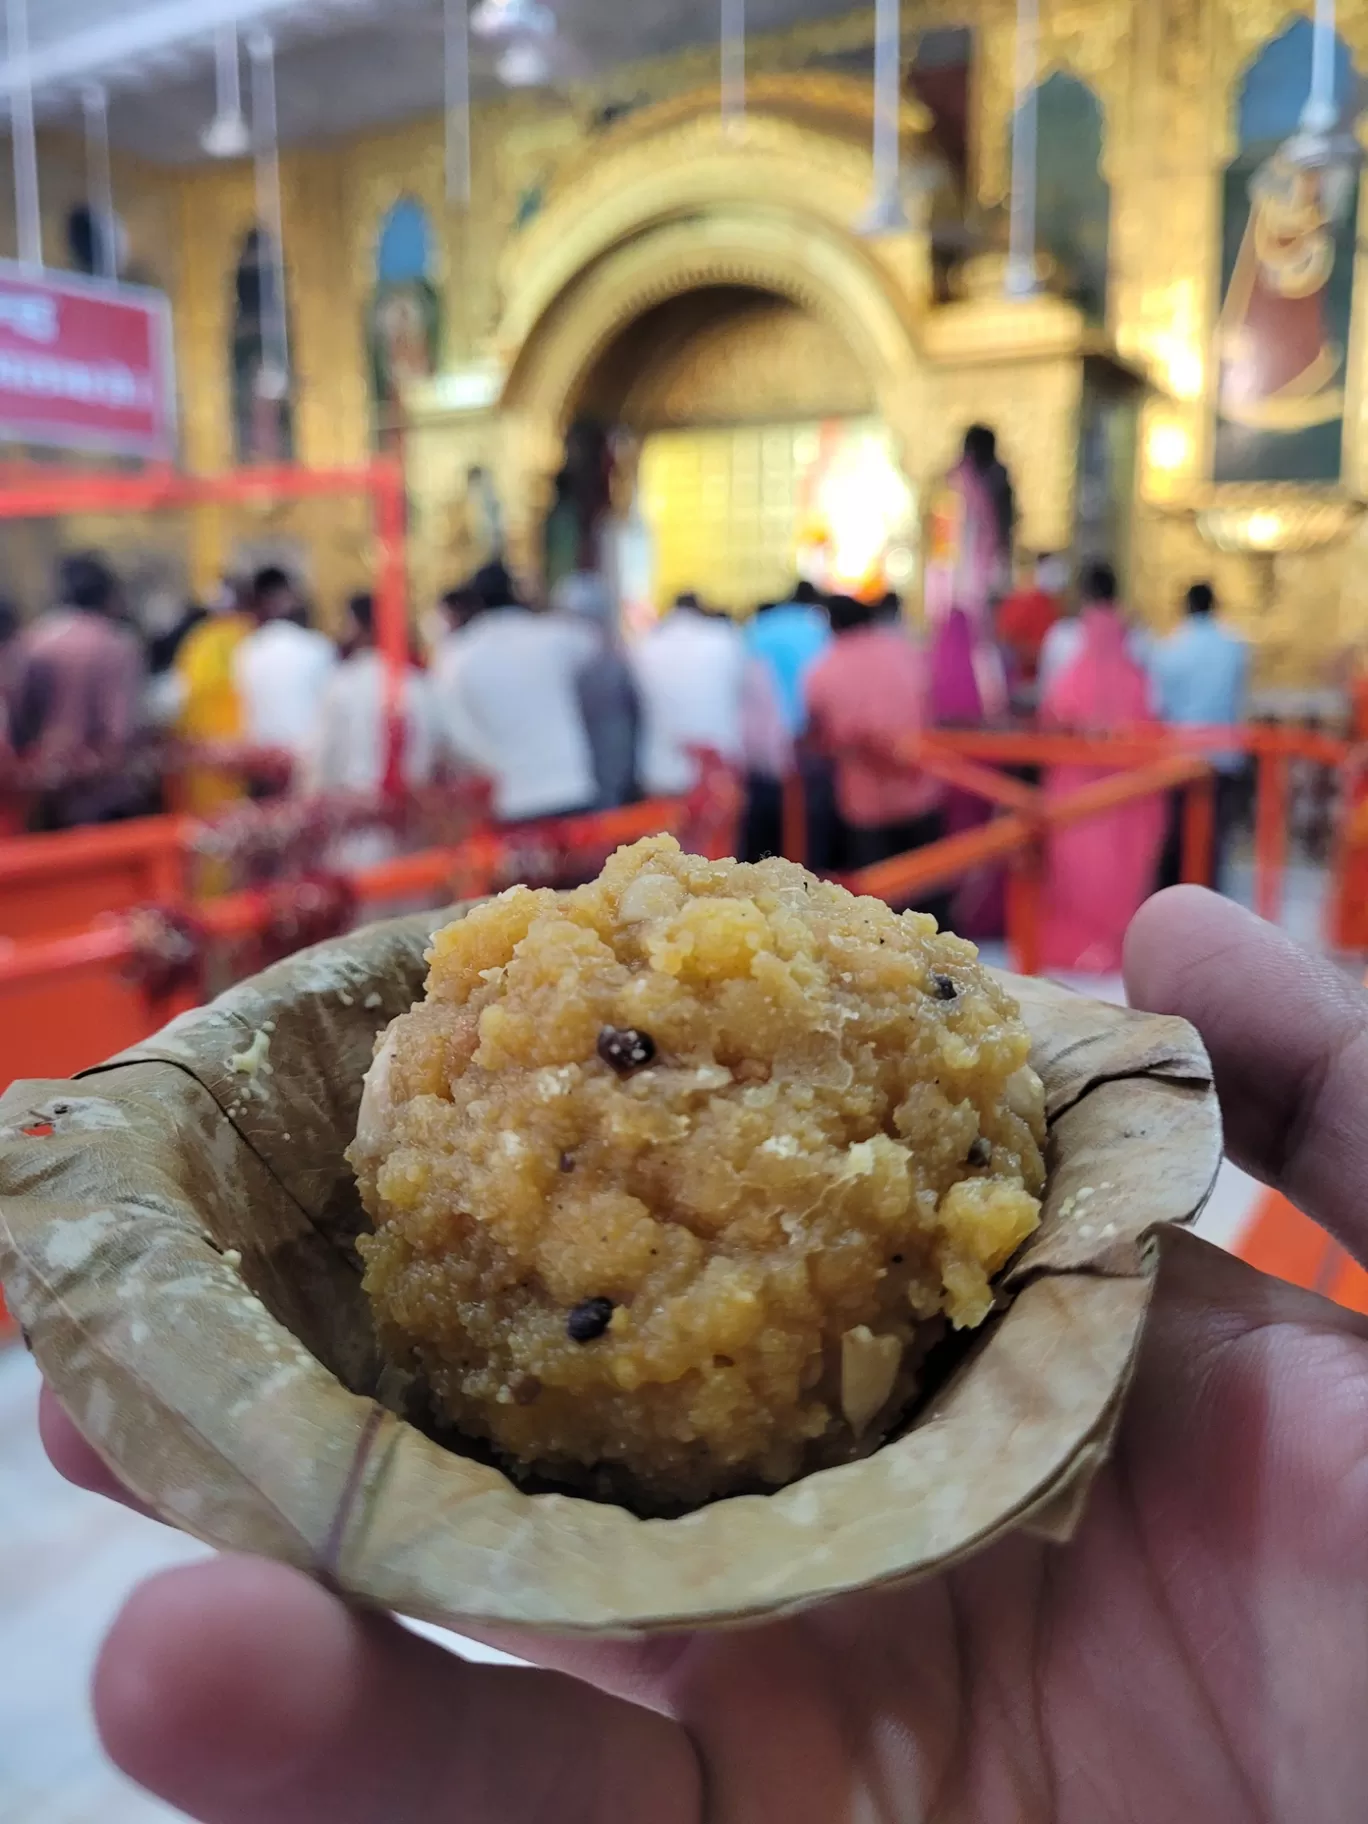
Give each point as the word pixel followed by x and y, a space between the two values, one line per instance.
pixel 868 690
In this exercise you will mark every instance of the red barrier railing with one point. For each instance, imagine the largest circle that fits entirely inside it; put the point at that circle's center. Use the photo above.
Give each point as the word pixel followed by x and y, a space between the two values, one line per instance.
pixel 67 1000
pixel 1018 836
pixel 65 880
pixel 54 883
pixel 57 882
pixel 1272 748
pixel 475 867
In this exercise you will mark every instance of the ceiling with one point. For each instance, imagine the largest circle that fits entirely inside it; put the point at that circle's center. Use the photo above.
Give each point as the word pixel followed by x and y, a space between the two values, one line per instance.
pixel 344 65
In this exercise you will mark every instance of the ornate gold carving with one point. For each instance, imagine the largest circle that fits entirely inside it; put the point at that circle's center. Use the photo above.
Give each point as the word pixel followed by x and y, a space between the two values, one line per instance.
pixel 1256 520
pixel 715 359
pixel 822 101
pixel 695 169
pixel 825 273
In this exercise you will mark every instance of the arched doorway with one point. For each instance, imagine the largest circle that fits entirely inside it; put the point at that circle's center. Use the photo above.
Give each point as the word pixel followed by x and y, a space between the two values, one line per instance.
pixel 746 416
pixel 730 248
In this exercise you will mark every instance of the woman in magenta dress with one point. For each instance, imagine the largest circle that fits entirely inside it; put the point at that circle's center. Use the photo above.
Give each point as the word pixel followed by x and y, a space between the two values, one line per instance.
pixel 1098 873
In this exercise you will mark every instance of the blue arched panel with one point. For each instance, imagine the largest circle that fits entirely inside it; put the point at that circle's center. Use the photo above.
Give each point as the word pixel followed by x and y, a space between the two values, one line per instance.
pixel 404 250
pixel 1073 198
pixel 1278 82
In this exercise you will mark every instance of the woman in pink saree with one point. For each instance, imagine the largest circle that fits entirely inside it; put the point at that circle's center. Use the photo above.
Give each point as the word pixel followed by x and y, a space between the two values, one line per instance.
pixel 970 558
pixel 957 701
pixel 1098 873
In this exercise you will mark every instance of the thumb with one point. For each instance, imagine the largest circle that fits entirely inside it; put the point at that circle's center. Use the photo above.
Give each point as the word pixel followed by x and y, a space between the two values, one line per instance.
pixel 1288 1036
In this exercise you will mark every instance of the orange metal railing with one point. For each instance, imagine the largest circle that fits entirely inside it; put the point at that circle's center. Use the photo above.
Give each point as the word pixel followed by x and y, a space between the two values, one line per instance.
pixel 1272 749
pixel 92 876
pixel 52 887
pixel 85 1024
pixel 1017 836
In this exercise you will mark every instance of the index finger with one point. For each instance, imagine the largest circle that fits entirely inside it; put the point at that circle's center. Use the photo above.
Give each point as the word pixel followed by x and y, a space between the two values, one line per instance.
pixel 1288 1037
pixel 72 1457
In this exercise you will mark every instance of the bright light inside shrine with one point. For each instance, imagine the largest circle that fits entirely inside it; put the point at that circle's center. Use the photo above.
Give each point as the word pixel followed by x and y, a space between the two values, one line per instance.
pixel 1169 447
pixel 858 508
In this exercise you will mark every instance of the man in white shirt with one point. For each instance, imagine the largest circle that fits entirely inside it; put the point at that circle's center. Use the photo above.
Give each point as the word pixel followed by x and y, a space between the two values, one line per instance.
pixel 282 669
pixel 511 708
pixel 691 679
pixel 348 751
pixel 445 629
pixel 349 748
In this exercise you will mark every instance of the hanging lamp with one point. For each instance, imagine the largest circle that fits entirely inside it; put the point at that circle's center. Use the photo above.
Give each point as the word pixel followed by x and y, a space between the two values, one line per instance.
pixel 733 62
pixel 887 212
pixel 513 19
pixel 1321 113
pixel 459 171
pixel 28 214
pixel 524 64
pixel 227 135
pixel 275 335
pixel 100 183
pixel 1321 143
pixel 1021 278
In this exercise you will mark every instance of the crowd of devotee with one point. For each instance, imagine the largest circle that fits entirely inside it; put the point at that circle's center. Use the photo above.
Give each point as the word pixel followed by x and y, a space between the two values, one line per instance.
pixel 561 714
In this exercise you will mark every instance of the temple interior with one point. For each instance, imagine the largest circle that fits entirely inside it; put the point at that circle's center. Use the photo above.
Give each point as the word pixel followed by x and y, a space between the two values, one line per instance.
pixel 444 440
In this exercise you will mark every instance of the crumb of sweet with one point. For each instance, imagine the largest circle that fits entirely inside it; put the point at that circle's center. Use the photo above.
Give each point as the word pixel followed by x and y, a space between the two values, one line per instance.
pixel 676 1177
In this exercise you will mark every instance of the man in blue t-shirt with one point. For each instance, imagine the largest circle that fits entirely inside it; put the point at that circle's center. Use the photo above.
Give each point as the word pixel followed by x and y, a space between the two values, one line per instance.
pixel 789 638
pixel 1201 680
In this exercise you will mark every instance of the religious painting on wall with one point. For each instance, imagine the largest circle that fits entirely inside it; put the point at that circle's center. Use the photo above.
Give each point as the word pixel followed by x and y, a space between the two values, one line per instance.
pixel 1073 198
pixel 1289 248
pixel 263 411
pixel 404 324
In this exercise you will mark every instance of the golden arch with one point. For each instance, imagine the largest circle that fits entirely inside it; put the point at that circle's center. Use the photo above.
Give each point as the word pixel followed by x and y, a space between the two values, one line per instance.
pixel 684 170
pixel 681 209
pixel 803 264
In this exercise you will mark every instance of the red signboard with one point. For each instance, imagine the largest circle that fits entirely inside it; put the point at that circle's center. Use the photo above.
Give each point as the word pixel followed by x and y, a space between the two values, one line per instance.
pixel 84 365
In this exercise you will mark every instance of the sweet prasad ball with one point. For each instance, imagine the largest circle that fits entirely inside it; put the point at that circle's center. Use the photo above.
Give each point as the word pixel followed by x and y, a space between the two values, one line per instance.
pixel 674 1178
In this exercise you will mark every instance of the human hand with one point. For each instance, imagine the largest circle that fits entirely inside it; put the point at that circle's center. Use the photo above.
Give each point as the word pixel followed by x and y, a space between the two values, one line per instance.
pixel 1199 1652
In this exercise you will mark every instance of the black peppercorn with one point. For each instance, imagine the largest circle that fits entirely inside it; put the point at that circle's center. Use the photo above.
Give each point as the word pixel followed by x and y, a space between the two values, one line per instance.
pixel 626 1050
pixel 588 1321
pixel 943 988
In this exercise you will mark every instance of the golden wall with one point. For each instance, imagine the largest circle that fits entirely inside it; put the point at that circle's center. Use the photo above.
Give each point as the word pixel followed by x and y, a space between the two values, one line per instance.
pixel 1167 74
